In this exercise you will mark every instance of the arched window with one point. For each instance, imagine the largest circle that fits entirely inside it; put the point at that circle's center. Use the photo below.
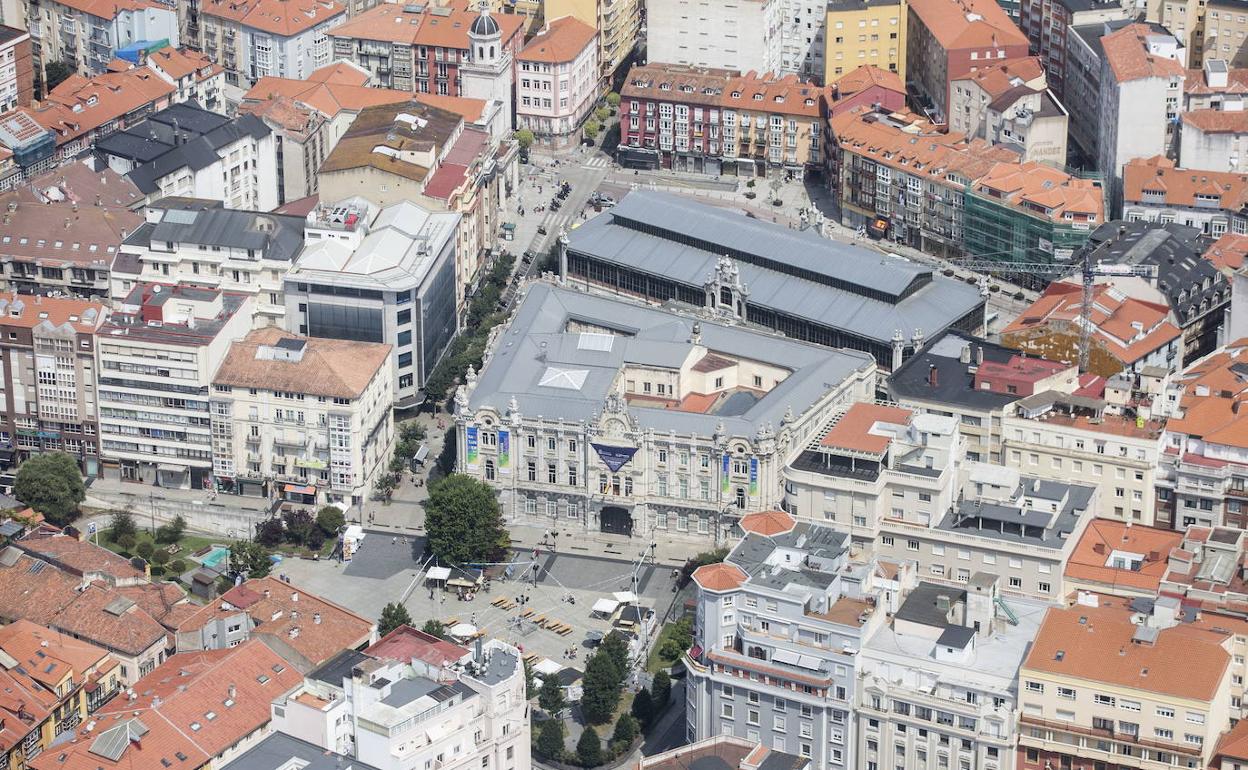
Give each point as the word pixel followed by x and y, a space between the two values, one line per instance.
pixel 741 498
pixel 491 52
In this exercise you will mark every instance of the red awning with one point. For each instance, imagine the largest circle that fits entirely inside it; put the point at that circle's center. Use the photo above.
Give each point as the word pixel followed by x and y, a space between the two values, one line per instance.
pixel 296 489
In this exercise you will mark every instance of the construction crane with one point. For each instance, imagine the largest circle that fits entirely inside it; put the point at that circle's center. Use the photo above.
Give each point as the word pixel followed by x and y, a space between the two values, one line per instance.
pixel 1089 271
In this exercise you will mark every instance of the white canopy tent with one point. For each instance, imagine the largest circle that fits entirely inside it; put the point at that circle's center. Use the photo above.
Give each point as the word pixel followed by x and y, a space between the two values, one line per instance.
pixel 438 573
pixel 604 607
pixel 624 597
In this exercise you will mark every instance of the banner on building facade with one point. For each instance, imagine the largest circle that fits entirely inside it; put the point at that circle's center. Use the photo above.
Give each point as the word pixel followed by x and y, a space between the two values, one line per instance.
pixel 470 442
pixel 723 476
pixel 614 456
pixel 504 451
pixel 753 477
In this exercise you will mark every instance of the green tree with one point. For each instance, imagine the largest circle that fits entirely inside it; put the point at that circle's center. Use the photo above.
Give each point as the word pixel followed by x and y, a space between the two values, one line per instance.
pixel 602 113
pixel 530 688
pixel 330 519
pixel 626 729
pixel 298 526
pixel 125 543
pixel 661 689
pixel 177 567
pixel 161 557
pixel 550 697
pixel 613 99
pixel 434 627
pixel 643 707
pixel 589 748
pixel 51 484
pixel 120 524
pixel 462 521
pixel 525 138
pixel 171 532
pixel 145 549
pixel 55 73
pixel 601 689
pixel 592 127
pixel 615 648
pixel 250 558
pixel 550 740
pixel 393 615
pixel 679 638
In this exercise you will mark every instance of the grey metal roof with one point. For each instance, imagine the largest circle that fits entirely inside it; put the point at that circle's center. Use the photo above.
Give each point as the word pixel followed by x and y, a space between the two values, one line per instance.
pixel 954 381
pixel 535 341
pixel 1043 529
pixel 407 690
pixel 279 236
pixel 339 667
pixel 922 605
pixel 112 743
pixel 278 749
pixel 789 271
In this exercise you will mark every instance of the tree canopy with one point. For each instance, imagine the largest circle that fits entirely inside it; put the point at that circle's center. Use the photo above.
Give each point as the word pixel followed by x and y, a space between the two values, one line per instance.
pixel 550 696
pixel 601 689
pixel 393 615
pixel 589 748
pixel 463 521
pixel 52 485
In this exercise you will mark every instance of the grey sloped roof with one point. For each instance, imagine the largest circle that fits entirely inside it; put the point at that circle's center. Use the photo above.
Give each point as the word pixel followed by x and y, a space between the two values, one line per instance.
pixel 535 341
pixel 232 229
pixel 669 236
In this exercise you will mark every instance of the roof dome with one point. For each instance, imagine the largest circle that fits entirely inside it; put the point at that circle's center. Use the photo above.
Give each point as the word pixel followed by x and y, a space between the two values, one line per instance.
pixel 484 25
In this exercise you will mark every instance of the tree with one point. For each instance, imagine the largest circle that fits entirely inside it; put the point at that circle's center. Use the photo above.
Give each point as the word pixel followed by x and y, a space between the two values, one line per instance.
pixel 613 99
pixel 550 739
pixel 601 689
pixel 592 127
pixel 589 748
pixel 125 543
pixel 298 525
pixel 120 524
pixel 434 627
pixel 661 689
pixel 161 557
pixel 270 532
pixel 614 647
pixel 330 519
pixel 393 615
pixel 177 566
pixel 643 706
pixel 55 73
pixel 525 138
pixel 530 689
pixel 51 484
pixel 250 558
pixel 171 532
pixel 550 697
pixel 679 638
pixel 145 549
pixel 462 521
pixel 626 730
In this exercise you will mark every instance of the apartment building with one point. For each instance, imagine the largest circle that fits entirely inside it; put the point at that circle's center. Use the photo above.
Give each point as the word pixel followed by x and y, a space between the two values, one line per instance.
pixel 17 69
pixel 1010 103
pixel 158 352
pixel 279 749
pixel 62 247
pixel 303 412
pixel 557 82
pixel 939 682
pixel 382 276
pixel 49 378
pixel 737 752
pixel 866 85
pixel 1225 26
pixel 189 152
pixel 1212 140
pixel 618 24
pixel 946 39
pixel 1155 190
pixel 1104 682
pixel 858 34
pixel 88 34
pixel 203 244
pixel 1048 26
pixel 194 76
pixel 471 712
pixel 776 647
pixel 741 36
pixel 717 407
pixel 253 39
pixel 1122 559
pixel 771 122
pixel 670 117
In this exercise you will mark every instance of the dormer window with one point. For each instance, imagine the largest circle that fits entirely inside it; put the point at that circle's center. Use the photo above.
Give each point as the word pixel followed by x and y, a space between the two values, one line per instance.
pixel 665 86
pixel 758 97
pixel 810 102
pixel 736 94
pixel 779 99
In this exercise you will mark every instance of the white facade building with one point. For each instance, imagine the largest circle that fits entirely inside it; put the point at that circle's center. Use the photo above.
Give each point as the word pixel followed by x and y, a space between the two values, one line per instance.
pixel 740 36
pixel 253 39
pixel 74 31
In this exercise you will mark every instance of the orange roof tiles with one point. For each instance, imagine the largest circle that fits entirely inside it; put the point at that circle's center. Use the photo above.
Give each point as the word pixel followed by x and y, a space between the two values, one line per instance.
pixel 768 93
pixel 1096 646
pixel 768 523
pixel 1179 186
pixel 78 557
pixel 22 710
pixel 562 40
pixel 329 90
pixel 180 63
pixel 407 644
pixel 276 17
pixel 1233 745
pixel 1211 406
pixel 1216 121
pixel 389 22
pixel 1127 52
pixel 80 105
pixel 1001 76
pixel 108 9
pixel 1045 190
pixel 864 77
pixel 163 747
pixel 48 656
pixel 676 83
pixel 1227 253
pixel 967 23
pixel 1236 83
pixel 854 430
pixel 329 367
pixel 467 108
pixel 719 577
pixel 1090 560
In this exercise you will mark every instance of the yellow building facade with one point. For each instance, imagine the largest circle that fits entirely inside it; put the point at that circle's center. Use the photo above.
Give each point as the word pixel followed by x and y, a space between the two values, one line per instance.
pixel 858 33
pixel 618 23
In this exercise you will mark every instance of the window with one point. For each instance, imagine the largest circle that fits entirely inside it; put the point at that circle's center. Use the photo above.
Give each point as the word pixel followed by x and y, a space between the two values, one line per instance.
pixel 1103 700
pixel 1068 693
pixel 1036 687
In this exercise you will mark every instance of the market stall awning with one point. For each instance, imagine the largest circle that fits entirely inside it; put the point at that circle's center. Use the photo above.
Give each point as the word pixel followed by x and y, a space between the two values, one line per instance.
pixel 604 606
pixel 298 489
pixel 463 630
pixel 624 597
pixel 546 666
pixel 439 573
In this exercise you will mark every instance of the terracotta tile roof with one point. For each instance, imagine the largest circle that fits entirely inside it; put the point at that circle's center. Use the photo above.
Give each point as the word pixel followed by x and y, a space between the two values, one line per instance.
pixel 48 656
pixel 108 9
pixel 287 610
pixel 162 747
pixel 1090 560
pixel 1227 253
pixel 676 83
pixel 378 126
pixel 406 644
pixel 329 367
pixel 330 91
pixel 292 117
pixel 1211 406
pixel 719 577
pixel 562 40
pixel 165 602
pixel 341 73
pixel 1232 746
pixel 1005 75
pixel 1180 186
pixel 768 93
pixel 58 236
pixel 1128 328
pixel 854 431
pixel 390 22
pixel 28 311
pixel 80 105
pixel 78 557
pixel 1045 190
pixel 283 18
pixel 1126 50
pixel 967 23
pixel 183 62
pixel 467 108
pixel 1196 85
pixel 78 183
pixel 1096 645
pixel 1216 121
pixel 768 523
pixel 864 77
pixel 22 709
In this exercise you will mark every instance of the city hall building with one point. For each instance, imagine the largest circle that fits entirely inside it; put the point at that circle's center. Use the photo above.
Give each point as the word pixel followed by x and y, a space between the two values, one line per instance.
pixel 596 413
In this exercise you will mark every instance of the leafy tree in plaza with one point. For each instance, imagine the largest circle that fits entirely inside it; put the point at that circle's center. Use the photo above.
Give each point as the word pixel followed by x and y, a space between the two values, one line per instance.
pixel 52 485
pixel 589 748
pixel 530 688
pixel 250 558
pixel 550 697
pixel 592 127
pixel 330 519
pixel 613 99
pixel 434 627
pixel 298 525
pixel 626 730
pixel 145 549
pixel 161 557
pixel 550 740
pixel 463 521
pixel 616 648
pixel 393 615
pixel 643 706
pixel 602 113
pixel 121 523
pixel 679 638
pixel 270 532
pixel 177 567
pixel 525 138
pixel 171 532
pixel 126 543
pixel 600 689
pixel 661 689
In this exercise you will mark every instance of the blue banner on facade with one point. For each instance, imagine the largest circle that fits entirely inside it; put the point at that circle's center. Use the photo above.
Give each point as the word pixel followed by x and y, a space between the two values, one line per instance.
pixel 753 477
pixel 614 456
pixel 470 440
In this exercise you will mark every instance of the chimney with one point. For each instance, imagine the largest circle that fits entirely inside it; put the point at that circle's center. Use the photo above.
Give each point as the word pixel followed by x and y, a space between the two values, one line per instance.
pixel 933 378
pixel 232 690
pixel 266 593
pixel 965 354
pixel 316 618
pixel 979 355
pixel 294 596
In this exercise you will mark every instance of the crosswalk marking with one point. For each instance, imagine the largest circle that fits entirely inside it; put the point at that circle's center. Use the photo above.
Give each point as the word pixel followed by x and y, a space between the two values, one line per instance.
pixel 598 161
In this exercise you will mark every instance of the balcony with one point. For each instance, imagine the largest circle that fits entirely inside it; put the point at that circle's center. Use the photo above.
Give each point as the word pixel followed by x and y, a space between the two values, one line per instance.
pixel 1080 734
